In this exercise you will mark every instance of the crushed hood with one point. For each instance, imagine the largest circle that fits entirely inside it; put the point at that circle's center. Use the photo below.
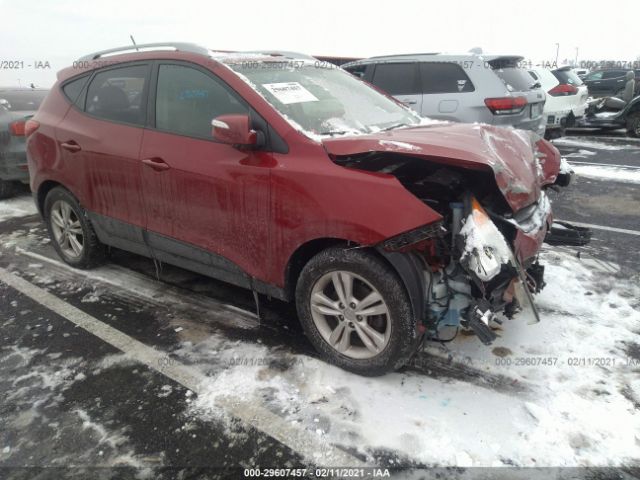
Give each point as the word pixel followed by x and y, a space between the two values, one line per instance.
pixel 508 153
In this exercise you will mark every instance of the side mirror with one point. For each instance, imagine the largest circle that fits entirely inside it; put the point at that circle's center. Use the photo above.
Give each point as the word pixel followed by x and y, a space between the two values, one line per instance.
pixel 234 130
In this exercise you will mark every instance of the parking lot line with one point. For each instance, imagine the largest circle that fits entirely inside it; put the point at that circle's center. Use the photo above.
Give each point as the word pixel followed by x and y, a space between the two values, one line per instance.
pixel 309 445
pixel 601 227
pixel 577 162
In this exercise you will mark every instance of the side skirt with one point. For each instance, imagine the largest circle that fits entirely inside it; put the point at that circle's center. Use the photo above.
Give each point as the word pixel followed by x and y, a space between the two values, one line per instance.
pixel 131 238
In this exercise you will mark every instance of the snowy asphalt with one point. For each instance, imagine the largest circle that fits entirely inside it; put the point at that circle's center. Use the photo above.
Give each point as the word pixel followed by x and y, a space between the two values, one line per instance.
pixel 81 392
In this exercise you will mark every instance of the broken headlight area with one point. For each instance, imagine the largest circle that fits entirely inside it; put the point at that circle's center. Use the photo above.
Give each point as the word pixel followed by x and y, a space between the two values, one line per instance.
pixel 484 277
pixel 475 270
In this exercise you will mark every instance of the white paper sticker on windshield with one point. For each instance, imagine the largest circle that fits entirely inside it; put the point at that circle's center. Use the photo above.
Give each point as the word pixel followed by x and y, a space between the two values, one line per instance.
pixel 290 92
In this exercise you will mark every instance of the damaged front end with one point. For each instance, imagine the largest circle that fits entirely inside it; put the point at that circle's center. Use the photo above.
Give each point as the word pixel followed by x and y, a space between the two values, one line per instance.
pixel 479 264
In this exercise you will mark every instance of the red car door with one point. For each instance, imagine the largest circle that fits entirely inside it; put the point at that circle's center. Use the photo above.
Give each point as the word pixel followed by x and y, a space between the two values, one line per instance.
pixel 207 203
pixel 100 147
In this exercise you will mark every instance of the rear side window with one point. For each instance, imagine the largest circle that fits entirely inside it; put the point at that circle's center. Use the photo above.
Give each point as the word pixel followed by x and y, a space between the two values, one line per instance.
pixel 515 78
pixel 397 78
pixel 188 99
pixel 593 76
pixel 73 89
pixel 444 78
pixel 567 76
pixel 117 95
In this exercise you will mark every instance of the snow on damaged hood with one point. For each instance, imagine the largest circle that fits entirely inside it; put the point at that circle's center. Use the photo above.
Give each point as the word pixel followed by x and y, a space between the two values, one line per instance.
pixel 509 153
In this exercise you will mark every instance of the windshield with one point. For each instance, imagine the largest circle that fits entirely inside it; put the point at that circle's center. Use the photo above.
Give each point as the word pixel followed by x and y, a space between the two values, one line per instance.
pixel 28 100
pixel 324 101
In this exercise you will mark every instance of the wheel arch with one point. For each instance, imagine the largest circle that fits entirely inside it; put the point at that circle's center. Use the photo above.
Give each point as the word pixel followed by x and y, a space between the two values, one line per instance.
pixel 43 189
pixel 407 266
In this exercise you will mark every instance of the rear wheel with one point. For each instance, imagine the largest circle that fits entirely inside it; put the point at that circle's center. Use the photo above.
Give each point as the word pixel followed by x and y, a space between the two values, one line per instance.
pixel 633 124
pixel 70 230
pixel 356 312
pixel 7 189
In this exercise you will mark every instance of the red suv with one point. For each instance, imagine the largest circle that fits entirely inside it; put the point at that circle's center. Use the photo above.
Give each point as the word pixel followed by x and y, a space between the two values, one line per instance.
pixel 290 177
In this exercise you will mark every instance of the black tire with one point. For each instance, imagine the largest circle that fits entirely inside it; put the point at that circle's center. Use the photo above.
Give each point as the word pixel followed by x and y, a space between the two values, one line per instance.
pixel 7 189
pixel 633 124
pixel 93 252
pixel 403 337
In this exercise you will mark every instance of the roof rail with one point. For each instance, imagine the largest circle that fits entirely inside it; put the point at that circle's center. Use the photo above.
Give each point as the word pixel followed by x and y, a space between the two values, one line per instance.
pixel 183 47
pixel 407 54
pixel 282 53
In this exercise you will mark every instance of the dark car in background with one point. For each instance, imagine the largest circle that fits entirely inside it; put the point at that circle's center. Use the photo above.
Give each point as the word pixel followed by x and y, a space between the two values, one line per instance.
pixel 606 83
pixel 17 105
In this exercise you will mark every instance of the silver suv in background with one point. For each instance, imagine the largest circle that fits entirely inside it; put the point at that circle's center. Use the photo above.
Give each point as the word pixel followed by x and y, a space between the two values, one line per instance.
pixel 469 88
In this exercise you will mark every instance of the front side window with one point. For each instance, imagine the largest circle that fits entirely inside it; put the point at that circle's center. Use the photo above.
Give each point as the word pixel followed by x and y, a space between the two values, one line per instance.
pixel 614 74
pixel 324 101
pixel 187 100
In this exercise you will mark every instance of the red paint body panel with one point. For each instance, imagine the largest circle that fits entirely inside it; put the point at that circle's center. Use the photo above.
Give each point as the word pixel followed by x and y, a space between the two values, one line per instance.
pixel 213 196
pixel 507 152
pixel 257 208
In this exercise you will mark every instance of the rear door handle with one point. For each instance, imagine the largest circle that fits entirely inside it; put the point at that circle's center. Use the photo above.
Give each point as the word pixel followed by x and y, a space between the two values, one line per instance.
pixel 71 146
pixel 156 163
pixel 409 102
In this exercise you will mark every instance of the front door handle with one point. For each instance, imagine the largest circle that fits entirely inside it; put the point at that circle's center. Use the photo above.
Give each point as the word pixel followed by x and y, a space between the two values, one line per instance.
pixel 156 163
pixel 71 146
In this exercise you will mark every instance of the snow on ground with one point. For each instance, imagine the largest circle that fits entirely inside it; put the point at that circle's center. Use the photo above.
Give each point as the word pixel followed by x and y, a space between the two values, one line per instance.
pixel 38 396
pixel 17 207
pixel 619 174
pixel 580 405
pixel 582 142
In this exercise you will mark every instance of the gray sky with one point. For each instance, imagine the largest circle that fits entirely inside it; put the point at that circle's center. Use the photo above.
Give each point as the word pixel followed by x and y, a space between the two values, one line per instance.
pixel 60 31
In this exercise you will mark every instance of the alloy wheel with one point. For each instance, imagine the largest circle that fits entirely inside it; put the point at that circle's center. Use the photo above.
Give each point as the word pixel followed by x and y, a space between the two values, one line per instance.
pixel 350 314
pixel 67 229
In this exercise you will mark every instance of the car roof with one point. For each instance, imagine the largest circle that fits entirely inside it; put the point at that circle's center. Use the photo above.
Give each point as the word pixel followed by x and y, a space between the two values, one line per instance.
pixel 436 57
pixel 171 51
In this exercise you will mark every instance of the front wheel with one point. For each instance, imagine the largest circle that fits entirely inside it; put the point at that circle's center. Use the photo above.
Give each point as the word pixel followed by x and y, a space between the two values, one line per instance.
pixel 633 125
pixel 70 230
pixel 356 312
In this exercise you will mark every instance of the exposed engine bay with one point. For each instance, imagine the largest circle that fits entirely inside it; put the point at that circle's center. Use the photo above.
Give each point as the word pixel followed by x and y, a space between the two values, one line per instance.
pixel 472 265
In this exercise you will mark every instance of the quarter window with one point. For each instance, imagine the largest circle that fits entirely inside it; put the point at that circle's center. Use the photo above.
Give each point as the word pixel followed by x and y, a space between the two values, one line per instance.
pixel 188 99
pixel 444 78
pixel 117 95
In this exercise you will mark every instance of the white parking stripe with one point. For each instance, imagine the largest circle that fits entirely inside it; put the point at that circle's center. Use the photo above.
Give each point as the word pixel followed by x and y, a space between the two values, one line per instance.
pixel 577 162
pixel 601 227
pixel 310 446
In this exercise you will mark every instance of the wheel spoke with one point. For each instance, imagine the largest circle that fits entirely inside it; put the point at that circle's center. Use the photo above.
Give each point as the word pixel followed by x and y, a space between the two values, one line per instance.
pixel 75 228
pixel 372 298
pixel 75 245
pixel 64 241
pixel 336 340
pixel 347 283
pixel 57 218
pixel 337 284
pixel 66 210
pixel 372 339
pixel 324 305
pixel 375 310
